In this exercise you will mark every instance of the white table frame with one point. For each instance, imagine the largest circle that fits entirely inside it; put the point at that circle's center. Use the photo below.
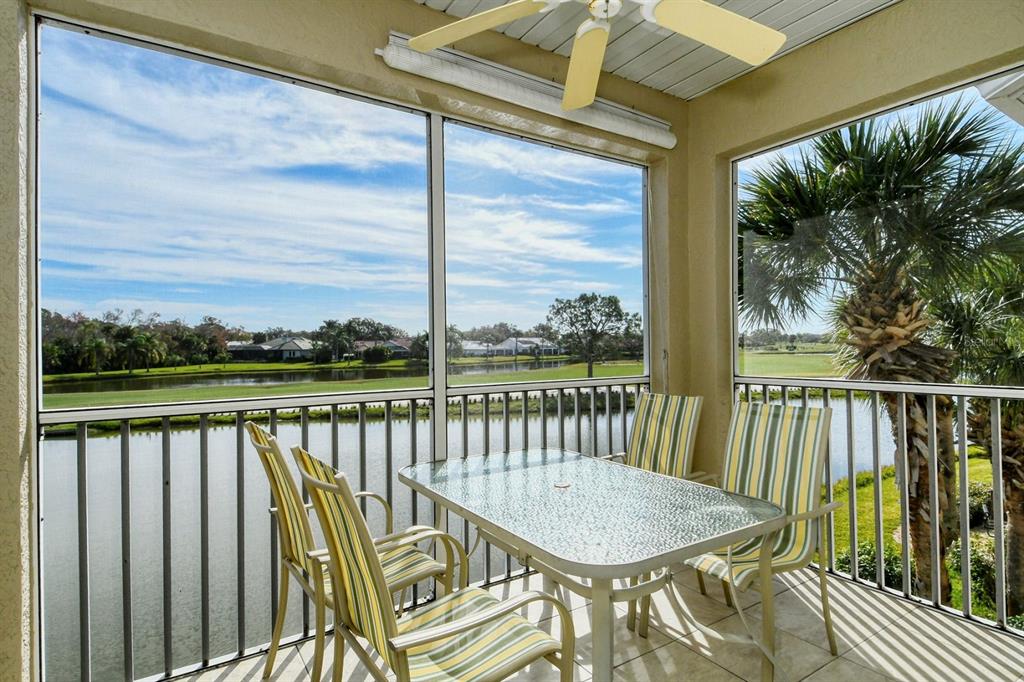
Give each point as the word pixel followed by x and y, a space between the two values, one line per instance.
pixel 600 589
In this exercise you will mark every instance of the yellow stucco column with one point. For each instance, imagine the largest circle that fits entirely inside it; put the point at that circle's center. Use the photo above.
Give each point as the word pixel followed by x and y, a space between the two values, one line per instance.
pixel 17 444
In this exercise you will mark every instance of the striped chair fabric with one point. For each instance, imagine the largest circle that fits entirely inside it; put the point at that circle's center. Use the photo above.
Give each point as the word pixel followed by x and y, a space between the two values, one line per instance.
pixel 488 652
pixel 664 427
pixel 777 453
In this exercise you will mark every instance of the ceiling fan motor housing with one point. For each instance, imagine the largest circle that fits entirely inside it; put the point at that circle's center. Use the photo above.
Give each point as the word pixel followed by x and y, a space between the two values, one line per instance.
pixel 604 9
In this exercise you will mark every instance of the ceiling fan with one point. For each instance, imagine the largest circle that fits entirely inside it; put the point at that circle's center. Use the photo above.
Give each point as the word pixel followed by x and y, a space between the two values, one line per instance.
pixel 723 30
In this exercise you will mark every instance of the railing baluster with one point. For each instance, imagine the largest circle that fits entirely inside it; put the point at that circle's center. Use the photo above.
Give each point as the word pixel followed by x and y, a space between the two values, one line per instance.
pixel 361 414
pixel 593 421
pixel 304 442
pixel 764 394
pixel 623 417
pixel 933 497
pixel 608 416
pixel 579 419
pixel 965 519
pixel 997 510
pixel 560 407
pixel 830 529
pixel 487 450
pixel 785 395
pixel 389 465
pixel 84 611
pixel 274 562
pixel 747 391
pixel 851 479
pixel 464 413
pixel 240 530
pixel 544 419
pixel 902 473
pixel 505 420
pixel 204 534
pixel 127 620
pixel 803 396
pixel 526 420
pixel 336 438
pixel 165 441
pixel 876 467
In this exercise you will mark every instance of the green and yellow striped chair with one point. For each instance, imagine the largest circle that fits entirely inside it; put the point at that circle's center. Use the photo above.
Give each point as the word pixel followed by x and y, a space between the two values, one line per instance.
pixel 661 440
pixel 776 453
pixel 402 563
pixel 468 635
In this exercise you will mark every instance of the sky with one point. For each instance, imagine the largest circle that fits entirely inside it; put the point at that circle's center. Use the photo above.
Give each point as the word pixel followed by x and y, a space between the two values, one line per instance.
pixel 189 189
pixel 1011 132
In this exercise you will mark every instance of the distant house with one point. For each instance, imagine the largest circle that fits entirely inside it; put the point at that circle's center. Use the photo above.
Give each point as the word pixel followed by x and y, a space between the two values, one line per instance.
pixel 526 345
pixel 281 349
pixel 475 349
pixel 400 348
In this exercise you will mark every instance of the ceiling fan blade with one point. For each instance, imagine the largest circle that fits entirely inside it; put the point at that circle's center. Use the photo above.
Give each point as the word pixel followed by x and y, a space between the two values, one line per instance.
pixel 723 30
pixel 477 23
pixel 585 64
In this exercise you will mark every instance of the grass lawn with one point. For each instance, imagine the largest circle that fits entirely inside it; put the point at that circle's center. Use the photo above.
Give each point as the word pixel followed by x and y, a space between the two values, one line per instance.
pixel 786 364
pixel 185 394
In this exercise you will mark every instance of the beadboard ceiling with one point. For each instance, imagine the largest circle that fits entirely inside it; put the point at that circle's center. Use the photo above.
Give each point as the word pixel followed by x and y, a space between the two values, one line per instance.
pixel 656 57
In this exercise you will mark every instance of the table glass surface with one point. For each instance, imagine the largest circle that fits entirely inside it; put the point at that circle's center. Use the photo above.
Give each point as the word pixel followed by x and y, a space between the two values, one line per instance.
pixel 586 510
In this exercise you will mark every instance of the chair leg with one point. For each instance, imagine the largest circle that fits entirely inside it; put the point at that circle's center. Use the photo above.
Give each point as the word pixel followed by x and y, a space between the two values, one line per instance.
pixel 728 595
pixel 318 645
pixel 339 653
pixel 700 583
pixel 823 579
pixel 645 614
pixel 282 608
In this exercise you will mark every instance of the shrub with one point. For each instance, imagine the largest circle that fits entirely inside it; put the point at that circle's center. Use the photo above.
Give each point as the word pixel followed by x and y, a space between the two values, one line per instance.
pixel 174 360
pixel 983 567
pixel 979 500
pixel 1016 621
pixel 892 562
pixel 376 354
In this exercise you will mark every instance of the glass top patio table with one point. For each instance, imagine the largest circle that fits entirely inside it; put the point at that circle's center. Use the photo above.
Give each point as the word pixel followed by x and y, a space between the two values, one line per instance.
pixel 590 517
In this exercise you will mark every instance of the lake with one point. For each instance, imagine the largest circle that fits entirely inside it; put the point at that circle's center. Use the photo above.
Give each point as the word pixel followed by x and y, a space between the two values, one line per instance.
pixel 60 543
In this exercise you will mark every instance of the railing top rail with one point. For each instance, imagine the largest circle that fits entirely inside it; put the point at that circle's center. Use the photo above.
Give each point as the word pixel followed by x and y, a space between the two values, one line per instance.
pixel 120 412
pixel 970 391
pixel 530 386
pixel 117 412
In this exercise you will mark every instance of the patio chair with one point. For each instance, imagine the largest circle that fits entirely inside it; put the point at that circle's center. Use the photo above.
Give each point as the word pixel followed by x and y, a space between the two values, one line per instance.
pixel 661 440
pixel 465 635
pixel 402 563
pixel 777 453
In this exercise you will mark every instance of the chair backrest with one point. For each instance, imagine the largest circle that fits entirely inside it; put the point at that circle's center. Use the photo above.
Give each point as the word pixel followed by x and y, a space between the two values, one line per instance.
pixel 777 453
pixel 366 608
pixel 664 427
pixel 292 521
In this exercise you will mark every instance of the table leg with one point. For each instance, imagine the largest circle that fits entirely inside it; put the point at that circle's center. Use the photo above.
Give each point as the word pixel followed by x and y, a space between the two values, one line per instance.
pixel 767 608
pixel 440 523
pixel 603 629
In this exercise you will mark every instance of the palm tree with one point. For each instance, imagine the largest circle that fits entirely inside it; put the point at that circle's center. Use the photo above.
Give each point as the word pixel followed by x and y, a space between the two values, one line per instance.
pixel 986 327
pixel 93 351
pixel 138 345
pixel 877 215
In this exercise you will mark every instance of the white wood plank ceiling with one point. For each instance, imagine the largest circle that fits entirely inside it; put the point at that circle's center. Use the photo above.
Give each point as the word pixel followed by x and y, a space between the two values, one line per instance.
pixel 644 53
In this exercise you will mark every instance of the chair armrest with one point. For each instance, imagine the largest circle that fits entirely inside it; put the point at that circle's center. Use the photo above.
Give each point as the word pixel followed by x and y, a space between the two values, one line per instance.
pixel 615 455
pixel 432 634
pixel 453 548
pixel 388 525
pixel 814 513
pixel 701 477
pixel 321 556
pixel 397 535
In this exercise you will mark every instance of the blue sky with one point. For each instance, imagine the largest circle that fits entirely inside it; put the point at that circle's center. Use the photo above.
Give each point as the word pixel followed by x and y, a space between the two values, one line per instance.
pixel 1012 133
pixel 187 189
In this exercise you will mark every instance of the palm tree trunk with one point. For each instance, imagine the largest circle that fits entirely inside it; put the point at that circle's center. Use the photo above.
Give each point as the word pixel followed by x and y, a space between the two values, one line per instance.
pixel 883 322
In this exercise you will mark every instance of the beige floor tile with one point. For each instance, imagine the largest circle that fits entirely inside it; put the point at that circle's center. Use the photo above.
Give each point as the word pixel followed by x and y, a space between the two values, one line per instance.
pixel 751 596
pixel 672 662
pixel 676 616
pixel 354 670
pixel 857 612
pixel 543 671
pixel 288 667
pixel 930 645
pixel 796 657
pixel 538 610
pixel 843 670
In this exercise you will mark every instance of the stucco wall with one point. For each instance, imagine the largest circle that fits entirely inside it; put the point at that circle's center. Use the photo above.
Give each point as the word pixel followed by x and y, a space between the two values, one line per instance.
pixel 16 442
pixel 907 51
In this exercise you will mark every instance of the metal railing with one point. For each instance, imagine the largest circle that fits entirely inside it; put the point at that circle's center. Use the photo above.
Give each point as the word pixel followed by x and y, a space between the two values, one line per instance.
pixel 154 522
pixel 872 441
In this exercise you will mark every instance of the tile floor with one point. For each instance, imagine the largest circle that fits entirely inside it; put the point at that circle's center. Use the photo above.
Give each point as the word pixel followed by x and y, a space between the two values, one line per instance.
pixel 880 637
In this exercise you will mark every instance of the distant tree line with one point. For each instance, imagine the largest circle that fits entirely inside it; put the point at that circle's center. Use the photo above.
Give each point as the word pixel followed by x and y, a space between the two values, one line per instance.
pixel 759 338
